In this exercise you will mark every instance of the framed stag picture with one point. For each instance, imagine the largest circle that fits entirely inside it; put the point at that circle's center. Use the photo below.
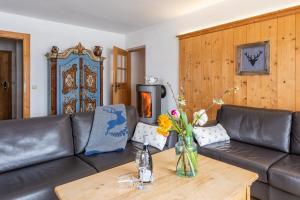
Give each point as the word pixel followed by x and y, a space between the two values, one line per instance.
pixel 253 58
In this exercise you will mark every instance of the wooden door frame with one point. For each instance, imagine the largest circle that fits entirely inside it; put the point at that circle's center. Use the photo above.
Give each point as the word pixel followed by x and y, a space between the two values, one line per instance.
pixel 138 48
pixel 26 66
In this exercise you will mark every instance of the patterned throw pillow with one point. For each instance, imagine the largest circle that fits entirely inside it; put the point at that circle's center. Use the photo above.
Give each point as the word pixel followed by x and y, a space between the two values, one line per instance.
pixel 209 135
pixel 154 139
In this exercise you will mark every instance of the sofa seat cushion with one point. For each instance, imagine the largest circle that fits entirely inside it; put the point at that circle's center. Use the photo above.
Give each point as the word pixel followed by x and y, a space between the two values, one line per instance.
pixel 136 146
pixel 38 181
pixel 109 160
pixel 250 157
pixel 285 174
pixel 277 194
pixel 105 161
pixel 260 190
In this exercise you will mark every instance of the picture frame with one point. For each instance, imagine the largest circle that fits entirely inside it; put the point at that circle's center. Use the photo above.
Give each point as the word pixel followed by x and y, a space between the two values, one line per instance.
pixel 253 58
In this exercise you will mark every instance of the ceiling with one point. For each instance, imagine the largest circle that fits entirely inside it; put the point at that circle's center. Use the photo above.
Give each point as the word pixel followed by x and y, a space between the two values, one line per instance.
pixel 122 16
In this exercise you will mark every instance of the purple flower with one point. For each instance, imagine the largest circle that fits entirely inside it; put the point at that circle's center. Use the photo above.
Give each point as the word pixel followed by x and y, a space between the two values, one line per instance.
pixel 175 113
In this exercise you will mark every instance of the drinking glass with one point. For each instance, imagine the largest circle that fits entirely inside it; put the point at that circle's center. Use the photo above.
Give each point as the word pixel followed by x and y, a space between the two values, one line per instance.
pixel 126 180
pixel 130 181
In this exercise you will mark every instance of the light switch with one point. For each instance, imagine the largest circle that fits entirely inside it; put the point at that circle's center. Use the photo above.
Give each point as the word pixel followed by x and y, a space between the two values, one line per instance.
pixel 34 87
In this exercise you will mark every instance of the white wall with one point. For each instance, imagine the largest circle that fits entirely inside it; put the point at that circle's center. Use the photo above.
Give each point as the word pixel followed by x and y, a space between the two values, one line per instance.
pixel 162 45
pixel 160 41
pixel 45 34
pixel 138 64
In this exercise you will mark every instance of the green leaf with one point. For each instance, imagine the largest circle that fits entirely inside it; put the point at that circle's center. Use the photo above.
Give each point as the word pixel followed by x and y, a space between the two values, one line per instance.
pixel 189 130
pixel 175 123
pixel 184 118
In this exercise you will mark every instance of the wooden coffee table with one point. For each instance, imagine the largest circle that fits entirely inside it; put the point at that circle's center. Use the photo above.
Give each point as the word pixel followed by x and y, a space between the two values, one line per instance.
pixel 216 181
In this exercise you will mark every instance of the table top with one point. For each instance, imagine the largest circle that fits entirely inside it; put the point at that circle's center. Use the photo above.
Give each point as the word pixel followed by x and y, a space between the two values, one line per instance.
pixel 215 180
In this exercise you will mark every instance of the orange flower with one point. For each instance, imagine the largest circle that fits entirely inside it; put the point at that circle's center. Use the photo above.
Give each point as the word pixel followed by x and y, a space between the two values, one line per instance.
pixel 165 124
pixel 163 131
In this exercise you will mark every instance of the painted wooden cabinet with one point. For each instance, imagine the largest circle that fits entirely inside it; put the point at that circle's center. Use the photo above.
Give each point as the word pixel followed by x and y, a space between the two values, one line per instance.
pixel 75 80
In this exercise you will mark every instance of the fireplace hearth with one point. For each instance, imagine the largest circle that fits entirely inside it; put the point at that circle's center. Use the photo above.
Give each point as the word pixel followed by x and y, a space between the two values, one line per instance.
pixel 149 102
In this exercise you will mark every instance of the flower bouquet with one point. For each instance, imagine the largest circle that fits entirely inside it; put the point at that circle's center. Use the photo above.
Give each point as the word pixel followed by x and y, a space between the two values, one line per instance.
pixel 177 120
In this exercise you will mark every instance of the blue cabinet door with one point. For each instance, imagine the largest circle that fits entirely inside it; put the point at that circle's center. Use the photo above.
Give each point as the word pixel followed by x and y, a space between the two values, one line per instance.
pixel 78 84
pixel 90 84
pixel 68 85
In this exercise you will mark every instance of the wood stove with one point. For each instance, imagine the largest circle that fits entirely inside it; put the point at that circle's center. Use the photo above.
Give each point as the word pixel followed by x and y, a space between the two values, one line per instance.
pixel 149 102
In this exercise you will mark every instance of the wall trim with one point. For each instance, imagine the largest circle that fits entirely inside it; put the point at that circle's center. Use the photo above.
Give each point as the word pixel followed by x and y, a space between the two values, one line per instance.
pixel 138 48
pixel 258 18
pixel 26 66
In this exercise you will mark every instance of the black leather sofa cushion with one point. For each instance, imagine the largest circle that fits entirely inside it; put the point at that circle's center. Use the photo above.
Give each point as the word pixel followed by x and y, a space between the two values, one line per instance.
pixel 295 135
pixel 37 182
pixel 82 124
pixel 136 146
pixel 276 194
pixel 262 127
pixel 247 156
pixel 35 140
pixel 285 174
pixel 109 160
pixel 260 190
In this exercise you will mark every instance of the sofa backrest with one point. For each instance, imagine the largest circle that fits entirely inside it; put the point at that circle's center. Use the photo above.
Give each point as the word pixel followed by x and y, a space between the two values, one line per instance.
pixel 82 125
pixel 31 141
pixel 262 127
pixel 295 135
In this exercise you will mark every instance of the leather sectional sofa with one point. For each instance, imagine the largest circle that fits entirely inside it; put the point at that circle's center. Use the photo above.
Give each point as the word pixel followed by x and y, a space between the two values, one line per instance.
pixel 264 141
pixel 38 154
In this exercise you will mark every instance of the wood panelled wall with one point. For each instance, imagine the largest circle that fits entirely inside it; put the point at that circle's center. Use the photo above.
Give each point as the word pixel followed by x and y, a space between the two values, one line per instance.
pixel 208 63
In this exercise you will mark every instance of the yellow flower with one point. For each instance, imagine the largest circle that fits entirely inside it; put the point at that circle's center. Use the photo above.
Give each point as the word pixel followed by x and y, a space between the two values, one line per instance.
pixel 164 121
pixel 163 131
pixel 165 124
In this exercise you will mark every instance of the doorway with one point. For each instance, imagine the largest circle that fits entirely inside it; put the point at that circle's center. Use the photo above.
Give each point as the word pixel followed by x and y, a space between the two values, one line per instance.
pixel 11 64
pixel 138 70
pixel 5 90
pixel 128 71
pixel 14 75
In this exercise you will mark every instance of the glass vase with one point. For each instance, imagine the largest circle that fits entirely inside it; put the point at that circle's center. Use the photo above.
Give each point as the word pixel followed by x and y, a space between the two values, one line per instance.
pixel 186 153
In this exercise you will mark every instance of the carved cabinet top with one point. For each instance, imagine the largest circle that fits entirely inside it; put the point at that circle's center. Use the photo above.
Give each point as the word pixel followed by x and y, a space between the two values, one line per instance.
pixel 95 54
